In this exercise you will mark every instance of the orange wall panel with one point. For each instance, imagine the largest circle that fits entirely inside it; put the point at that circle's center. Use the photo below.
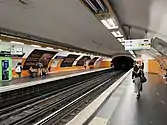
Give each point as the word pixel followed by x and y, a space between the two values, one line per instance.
pixel 154 67
pixel 105 64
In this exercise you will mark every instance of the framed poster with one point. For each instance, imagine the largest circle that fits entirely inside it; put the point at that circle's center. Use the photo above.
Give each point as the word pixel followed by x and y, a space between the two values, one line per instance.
pixel 68 61
pixel 38 56
pixel 82 60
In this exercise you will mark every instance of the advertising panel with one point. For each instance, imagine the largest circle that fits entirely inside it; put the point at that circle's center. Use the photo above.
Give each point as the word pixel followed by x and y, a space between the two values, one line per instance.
pixel 93 61
pixel 68 61
pixel 38 56
pixel 137 44
pixel 82 60
pixel 60 57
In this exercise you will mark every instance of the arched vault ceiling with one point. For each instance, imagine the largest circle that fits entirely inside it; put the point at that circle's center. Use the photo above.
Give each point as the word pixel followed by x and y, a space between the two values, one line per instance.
pixel 66 21
pixel 144 14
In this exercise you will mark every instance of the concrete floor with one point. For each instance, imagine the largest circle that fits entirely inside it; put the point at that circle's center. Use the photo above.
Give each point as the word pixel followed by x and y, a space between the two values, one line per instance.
pixel 150 109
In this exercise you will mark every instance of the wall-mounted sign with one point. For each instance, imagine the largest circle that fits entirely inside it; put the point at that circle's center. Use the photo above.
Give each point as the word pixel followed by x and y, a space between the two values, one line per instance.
pixel 5 53
pixel 137 44
pixel 16 51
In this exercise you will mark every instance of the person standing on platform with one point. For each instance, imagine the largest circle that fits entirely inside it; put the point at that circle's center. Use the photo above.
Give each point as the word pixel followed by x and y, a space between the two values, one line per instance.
pixel 18 69
pixel 136 75
pixel 165 76
pixel 85 64
pixel 44 72
pixel 39 68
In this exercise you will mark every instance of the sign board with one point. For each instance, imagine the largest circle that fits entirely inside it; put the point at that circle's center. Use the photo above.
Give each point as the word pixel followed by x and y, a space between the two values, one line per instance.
pixel 16 51
pixel 137 44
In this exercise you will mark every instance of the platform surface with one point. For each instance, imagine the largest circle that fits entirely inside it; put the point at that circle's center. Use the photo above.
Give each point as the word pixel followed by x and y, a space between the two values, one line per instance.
pixel 25 82
pixel 122 108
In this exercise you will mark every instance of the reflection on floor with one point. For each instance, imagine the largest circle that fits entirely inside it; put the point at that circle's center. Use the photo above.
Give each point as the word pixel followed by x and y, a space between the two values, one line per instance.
pixel 151 109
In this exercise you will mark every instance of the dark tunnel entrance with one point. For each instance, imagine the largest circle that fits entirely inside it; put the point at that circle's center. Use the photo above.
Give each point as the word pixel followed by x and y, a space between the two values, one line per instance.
pixel 122 63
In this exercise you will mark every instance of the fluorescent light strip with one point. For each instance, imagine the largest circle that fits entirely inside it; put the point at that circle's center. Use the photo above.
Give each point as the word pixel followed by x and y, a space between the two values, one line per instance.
pixel 101 5
pixel 49 47
pixel 91 4
pixel 35 45
pixel 120 39
pixel 111 23
pixel 60 50
pixel 134 56
pixel 17 42
pixel 106 24
pixel 123 43
pixel 117 34
pixel 131 52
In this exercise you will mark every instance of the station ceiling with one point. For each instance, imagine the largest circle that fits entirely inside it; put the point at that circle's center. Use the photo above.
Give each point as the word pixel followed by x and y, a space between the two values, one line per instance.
pixel 142 15
pixel 65 21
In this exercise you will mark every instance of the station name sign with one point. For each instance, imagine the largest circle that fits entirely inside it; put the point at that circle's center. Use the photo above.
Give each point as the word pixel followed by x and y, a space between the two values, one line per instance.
pixel 137 44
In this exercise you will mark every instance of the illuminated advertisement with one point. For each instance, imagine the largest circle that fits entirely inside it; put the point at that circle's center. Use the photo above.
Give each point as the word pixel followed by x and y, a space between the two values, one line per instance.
pixel 68 61
pixel 93 61
pixel 38 56
pixel 82 60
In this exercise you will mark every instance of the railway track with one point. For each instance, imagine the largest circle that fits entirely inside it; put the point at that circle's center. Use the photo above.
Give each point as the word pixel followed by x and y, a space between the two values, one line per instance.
pixel 52 107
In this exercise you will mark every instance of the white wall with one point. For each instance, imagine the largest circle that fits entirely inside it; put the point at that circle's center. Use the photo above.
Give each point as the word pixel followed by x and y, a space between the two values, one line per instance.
pixel 145 59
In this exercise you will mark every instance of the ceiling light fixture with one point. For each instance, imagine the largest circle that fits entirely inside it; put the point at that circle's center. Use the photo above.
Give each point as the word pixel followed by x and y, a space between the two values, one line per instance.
pixel 134 56
pixel 35 45
pixel 91 5
pixel 112 24
pixel 109 24
pixel 49 47
pixel 100 4
pixel 123 44
pixel 60 50
pixel 117 34
pixel 120 39
pixel 17 42
pixel 131 52
pixel 105 23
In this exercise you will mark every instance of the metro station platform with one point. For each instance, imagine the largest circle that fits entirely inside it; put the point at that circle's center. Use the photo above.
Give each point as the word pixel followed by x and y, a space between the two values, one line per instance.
pixel 118 105
pixel 18 83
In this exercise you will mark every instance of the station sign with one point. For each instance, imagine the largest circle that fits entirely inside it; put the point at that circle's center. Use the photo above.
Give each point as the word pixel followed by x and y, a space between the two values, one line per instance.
pixel 137 44
pixel 16 51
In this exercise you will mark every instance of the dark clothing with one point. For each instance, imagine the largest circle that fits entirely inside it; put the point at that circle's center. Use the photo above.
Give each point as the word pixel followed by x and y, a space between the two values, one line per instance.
pixel 142 66
pixel 19 74
pixel 136 72
pixel 43 73
pixel 39 65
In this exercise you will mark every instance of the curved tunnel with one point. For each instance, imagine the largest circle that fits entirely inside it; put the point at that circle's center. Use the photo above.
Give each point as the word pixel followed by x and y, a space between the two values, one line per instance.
pixel 122 63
